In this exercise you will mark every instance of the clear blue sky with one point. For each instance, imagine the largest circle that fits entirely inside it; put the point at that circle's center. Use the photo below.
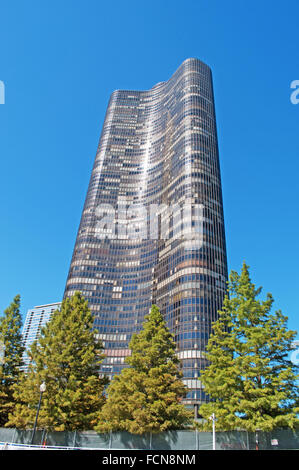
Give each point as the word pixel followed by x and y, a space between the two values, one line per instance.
pixel 60 61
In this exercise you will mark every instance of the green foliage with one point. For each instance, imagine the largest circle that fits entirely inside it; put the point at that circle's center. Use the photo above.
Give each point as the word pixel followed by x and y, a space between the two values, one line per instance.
pixel 146 396
pixel 66 357
pixel 250 380
pixel 11 361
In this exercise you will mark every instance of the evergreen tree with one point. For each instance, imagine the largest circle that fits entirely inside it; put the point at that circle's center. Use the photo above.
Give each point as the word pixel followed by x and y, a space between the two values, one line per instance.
pixel 146 396
pixel 11 360
pixel 66 357
pixel 250 380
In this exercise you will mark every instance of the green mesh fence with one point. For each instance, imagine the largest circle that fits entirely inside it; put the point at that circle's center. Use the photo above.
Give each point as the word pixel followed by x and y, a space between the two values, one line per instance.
pixel 281 439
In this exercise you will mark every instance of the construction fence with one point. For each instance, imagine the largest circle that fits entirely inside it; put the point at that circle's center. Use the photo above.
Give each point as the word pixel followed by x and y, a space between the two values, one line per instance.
pixel 172 440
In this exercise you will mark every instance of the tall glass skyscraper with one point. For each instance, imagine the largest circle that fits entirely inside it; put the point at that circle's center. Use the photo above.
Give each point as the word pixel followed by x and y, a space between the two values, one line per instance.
pixel 152 227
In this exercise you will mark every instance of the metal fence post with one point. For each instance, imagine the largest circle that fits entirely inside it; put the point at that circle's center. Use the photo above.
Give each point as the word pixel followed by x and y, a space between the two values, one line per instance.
pixel 42 437
pixel 13 436
pixel 74 440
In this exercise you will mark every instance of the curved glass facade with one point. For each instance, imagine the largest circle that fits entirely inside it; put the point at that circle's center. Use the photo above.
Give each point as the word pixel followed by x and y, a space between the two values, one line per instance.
pixel 157 154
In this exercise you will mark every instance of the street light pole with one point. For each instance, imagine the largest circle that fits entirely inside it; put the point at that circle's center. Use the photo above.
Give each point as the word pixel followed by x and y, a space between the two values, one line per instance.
pixel 213 418
pixel 42 389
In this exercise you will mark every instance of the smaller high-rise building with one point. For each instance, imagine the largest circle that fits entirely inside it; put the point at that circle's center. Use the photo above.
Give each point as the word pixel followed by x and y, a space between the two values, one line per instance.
pixel 36 318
